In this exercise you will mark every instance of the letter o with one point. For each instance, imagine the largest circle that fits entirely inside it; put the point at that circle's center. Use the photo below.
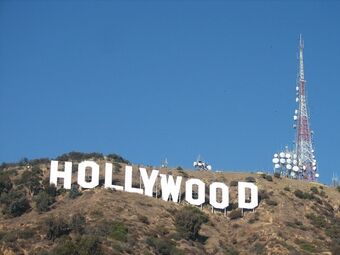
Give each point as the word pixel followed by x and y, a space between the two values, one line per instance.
pixel 95 174
pixel 201 192
pixel 213 195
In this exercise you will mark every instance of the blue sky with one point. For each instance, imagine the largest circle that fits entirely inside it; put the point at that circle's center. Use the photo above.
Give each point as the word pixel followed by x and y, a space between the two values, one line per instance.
pixel 156 79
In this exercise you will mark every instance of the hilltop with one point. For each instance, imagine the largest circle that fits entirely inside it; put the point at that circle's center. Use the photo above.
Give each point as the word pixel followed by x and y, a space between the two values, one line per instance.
pixel 293 217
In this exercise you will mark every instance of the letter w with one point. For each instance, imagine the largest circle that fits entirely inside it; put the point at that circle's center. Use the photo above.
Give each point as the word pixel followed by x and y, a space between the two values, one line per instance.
pixel 170 187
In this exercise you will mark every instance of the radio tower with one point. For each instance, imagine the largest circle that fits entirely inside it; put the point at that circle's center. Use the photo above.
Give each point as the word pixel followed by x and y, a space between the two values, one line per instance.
pixel 303 143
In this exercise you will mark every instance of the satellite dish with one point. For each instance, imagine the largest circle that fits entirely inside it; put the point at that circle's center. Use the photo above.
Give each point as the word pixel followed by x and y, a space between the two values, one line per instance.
pixel 297 99
pixel 275 160
pixel 314 168
pixel 295 168
pixel 282 155
pixel 314 163
pixel 304 167
pixel 209 167
pixel 297 88
pixel 277 166
pixel 295 117
pixel 289 166
pixel 292 174
pixel 288 155
pixel 276 155
pixel 282 160
pixel 317 175
pixel 296 112
pixel 195 163
pixel 294 161
pixel 294 156
pixel 289 161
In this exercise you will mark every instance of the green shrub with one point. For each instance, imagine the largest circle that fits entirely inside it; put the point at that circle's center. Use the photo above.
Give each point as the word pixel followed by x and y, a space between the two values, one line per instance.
pixel 296 224
pixel 25 233
pixel 31 180
pixel 338 188
pixel 333 231
pixel 18 207
pixel 250 179
pixel 233 206
pixel 306 246
pixel 74 191
pixel 65 248
pixel 317 220
pixel 269 178
pixel 78 223
pixel 233 183
pixel 263 194
pixel 9 197
pixel 182 172
pixel 51 190
pixel 323 194
pixel 314 190
pixel 258 248
pixel 118 231
pixel 235 214
pixel 88 245
pixel 43 201
pixel 5 183
pixel 9 237
pixel 163 246
pixel 56 227
pixel 303 195
pixel 231 251
pixel 39 161
pixel 254 217
pixel 286 188
pixel 79 156
pixel 14 234
pixel 188 221
pixel 117 158
pixel 277 175
pixel 271 202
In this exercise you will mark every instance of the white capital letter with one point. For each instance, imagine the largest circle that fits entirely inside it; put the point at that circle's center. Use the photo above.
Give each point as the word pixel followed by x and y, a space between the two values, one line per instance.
pixel 66 174
pixel 128 181
pixel 108 178
pixel 170 187
pixel 242 195
pixel 225 195
pixel 94 174
pixel 201 192
pixel 148 182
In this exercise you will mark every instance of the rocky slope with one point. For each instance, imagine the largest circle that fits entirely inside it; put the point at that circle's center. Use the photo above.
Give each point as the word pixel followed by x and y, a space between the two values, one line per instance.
pixel 293 217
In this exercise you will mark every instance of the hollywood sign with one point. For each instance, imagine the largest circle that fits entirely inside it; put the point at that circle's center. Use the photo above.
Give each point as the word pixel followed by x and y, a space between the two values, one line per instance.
pixel 169 185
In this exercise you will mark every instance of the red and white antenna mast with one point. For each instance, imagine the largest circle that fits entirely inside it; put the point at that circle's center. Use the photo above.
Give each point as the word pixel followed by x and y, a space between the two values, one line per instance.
pixel 304 146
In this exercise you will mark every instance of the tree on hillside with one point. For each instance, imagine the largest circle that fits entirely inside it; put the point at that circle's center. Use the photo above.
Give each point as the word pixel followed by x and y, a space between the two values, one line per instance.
pixel 188 221
pixel 5 183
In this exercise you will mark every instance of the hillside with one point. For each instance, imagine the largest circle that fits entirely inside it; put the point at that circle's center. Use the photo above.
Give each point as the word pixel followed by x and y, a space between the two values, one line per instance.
pixel 293 217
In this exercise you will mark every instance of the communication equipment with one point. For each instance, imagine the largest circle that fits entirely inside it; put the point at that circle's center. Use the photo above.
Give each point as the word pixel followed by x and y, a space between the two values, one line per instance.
pixel 301 163
pixel 201 165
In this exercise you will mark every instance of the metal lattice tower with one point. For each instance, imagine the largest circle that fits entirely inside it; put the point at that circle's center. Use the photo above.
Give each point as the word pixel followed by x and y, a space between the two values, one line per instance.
pixel 303 143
